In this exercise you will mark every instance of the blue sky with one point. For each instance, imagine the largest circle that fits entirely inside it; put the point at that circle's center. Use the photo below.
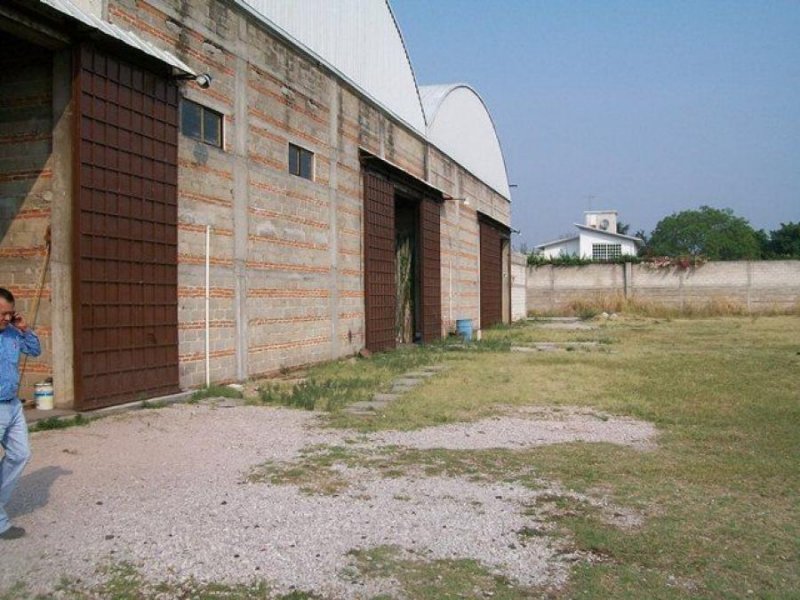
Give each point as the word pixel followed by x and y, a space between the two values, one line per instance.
pixel 647 107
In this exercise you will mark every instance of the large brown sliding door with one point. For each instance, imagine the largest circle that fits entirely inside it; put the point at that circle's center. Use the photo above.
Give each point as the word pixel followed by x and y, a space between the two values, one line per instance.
pixel 126 292
pixel 379 262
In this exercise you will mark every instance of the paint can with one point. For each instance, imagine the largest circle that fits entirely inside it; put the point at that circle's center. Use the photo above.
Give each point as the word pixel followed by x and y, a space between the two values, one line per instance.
pixel 43 395
pixel 464 329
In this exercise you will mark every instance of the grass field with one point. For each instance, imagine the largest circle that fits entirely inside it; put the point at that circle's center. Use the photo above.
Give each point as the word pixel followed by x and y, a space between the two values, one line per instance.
pixel 716 501
pixel 720 494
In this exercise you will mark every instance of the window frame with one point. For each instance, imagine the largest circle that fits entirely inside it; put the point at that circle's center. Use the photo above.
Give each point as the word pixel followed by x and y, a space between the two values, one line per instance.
pixel 203 112
pixel 602 251
pixel 300 152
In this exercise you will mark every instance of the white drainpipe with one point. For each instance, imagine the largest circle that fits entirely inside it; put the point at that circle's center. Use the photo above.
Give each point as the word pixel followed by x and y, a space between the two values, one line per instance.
pixel 208 305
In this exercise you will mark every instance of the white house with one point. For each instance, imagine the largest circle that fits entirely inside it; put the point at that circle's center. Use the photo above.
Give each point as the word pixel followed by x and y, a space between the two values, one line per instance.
pixel 596 239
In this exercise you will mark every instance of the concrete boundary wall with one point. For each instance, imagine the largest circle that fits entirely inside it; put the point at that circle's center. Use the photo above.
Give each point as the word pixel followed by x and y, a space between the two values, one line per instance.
pixel 758 286
pixel 519 286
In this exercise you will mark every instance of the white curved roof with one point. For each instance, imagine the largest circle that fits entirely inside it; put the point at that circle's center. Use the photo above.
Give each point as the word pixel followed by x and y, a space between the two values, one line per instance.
pixel 460 124
pixel 360 40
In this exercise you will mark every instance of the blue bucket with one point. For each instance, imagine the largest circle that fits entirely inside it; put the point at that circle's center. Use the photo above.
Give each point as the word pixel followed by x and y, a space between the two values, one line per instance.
pixel 464 329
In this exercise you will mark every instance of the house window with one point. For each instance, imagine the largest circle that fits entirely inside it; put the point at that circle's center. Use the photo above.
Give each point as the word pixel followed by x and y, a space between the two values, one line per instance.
pixel 301 162
pixel 201 123
pixel 606 251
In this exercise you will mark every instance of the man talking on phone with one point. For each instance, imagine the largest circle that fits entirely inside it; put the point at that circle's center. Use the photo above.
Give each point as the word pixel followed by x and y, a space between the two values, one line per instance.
pixel 15 338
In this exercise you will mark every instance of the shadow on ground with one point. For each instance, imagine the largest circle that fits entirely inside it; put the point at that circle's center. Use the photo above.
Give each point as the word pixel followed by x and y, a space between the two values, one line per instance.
pixel 33 491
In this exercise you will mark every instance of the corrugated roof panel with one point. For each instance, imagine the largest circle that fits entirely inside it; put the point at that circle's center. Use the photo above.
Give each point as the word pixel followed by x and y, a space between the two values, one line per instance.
pixel 67 7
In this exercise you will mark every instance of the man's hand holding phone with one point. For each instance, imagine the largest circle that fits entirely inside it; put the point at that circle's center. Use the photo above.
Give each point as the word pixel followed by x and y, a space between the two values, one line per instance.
pixel 19 322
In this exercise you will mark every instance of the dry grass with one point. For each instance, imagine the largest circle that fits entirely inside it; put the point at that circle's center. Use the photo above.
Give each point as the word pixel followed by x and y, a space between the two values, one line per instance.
pixel 715 306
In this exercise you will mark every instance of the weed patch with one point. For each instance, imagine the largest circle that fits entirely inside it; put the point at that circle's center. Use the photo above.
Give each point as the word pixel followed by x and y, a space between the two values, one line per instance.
pixel 123 581
pixel 330 394
pixel 153 405
pixel 215 391
pixel 59 423
pixel 424 579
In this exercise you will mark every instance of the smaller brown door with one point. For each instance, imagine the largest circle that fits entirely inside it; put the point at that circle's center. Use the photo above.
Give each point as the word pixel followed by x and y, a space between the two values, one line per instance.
pixel 492 237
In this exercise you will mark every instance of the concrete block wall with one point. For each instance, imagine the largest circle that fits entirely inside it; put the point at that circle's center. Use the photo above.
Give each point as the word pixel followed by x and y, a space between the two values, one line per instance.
pixel 287 257
pixel 753 285
pixel 26 188
pixel 519 286
pixel 551 288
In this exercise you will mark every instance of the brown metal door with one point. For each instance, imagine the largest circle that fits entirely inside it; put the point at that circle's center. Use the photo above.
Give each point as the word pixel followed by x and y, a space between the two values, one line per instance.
pixel 491 275
pixel 126 291
pixel 379 263
pixel 431 284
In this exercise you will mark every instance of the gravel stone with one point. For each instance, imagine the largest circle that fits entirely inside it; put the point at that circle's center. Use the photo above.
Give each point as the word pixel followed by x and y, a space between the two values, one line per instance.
pixel 166 490
pixel 526 431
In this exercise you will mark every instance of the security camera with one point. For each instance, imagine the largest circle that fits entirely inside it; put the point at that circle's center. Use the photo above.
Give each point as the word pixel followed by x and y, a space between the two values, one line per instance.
pixel 204 80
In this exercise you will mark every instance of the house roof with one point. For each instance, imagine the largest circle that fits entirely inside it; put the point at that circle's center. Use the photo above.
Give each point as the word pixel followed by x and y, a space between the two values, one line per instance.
pixel 631 238
pixel 554 242
pixel 635 240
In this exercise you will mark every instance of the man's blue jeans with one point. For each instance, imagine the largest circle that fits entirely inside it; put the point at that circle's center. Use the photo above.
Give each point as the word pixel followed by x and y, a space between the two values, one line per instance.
pixel 14 438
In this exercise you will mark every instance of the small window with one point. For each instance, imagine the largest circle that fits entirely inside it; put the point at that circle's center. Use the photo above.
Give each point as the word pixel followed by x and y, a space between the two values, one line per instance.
pixel 606 251
pixel 201 123
pixel 301 162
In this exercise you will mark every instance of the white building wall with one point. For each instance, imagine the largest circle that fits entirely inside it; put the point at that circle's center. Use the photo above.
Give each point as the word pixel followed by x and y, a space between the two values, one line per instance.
pixel 587 239
pixel 565 248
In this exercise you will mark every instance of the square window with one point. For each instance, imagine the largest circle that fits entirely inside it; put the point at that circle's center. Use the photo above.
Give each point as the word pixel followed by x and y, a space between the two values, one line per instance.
pixel 301 162
pixel 201 123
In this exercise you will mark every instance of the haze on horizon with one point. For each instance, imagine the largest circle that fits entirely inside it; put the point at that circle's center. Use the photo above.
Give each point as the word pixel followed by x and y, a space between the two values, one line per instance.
pixel 646 108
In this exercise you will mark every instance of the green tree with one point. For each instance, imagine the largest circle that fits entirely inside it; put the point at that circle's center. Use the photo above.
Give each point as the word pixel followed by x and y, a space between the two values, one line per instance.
pixel 785 242
pixel 710 232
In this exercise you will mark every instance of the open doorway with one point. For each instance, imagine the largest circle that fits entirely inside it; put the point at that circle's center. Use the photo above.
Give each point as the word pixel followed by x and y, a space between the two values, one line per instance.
pixel 407 288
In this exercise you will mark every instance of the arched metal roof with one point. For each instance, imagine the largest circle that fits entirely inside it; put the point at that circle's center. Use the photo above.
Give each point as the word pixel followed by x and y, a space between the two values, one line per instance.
pixel 360 40
pixel 460 124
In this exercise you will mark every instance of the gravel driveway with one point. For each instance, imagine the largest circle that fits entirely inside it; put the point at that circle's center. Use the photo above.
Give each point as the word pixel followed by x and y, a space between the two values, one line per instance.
pixel 166 491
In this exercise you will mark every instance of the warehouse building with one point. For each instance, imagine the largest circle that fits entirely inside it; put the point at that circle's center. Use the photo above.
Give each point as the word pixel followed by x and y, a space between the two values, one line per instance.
pixel 212 190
